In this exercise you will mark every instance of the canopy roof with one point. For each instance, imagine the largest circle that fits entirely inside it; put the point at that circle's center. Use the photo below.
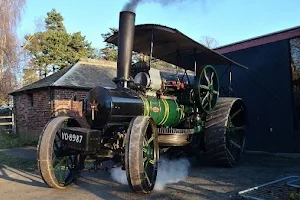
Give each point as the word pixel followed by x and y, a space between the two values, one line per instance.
pixel 172 46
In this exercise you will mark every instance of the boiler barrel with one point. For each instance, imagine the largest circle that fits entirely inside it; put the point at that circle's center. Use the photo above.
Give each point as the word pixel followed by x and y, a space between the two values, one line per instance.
pixel 165 112
pixel 111 106
pixel 118 106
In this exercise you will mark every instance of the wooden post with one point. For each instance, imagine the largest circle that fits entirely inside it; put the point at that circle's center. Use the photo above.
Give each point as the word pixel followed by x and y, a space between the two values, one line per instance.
pixel 13 120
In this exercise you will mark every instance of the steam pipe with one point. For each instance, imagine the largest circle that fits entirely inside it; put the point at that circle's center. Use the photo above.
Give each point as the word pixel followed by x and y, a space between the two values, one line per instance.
pixel 125 46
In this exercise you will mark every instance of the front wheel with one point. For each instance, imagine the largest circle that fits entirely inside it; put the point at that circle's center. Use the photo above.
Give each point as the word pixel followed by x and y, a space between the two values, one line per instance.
pixel 141 154
pixel 58 166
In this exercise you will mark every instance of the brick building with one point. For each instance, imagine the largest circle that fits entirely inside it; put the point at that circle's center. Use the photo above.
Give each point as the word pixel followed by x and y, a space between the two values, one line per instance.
pixel 59 94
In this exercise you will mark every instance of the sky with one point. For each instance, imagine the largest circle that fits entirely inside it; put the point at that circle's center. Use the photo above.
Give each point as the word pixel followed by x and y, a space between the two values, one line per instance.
pixel 228 21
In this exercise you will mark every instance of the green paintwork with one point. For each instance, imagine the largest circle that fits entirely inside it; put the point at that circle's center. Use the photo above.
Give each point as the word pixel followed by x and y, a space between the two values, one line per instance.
pixel 209 88
pixel 60 170
pixel 198 129
pixel 148 155
pixel 148 150
pixel 165 112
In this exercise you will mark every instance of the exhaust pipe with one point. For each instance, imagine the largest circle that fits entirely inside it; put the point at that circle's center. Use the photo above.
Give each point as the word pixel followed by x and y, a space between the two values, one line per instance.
pixel 125 46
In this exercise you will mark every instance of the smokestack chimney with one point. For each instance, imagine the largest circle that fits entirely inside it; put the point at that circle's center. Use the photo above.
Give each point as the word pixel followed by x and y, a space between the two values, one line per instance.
pixel 125 46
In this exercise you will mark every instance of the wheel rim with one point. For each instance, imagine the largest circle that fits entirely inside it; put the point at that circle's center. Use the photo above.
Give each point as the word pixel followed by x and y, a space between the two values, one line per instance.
pixel 65 164
pixel 141 154
pixel 149 156
pixel 235 132
pixel 208 88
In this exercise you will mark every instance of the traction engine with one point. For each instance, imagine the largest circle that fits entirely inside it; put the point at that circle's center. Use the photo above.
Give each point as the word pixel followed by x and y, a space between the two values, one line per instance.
pixel 147 114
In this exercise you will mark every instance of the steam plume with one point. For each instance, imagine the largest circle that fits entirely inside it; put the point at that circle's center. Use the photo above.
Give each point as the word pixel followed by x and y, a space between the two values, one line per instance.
pixel 169 171
pixel 119 175
pixel 132 4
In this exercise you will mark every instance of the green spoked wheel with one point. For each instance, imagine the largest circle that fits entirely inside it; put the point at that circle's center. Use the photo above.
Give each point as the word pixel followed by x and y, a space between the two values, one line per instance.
pixel 206 88
pixel 225 132
pixel 58 166
pixel 141 154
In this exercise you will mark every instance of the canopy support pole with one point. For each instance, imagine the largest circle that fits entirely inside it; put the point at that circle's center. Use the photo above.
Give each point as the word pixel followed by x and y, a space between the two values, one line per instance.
pixel 177 60
pixel 195 62
pixel 230 79
pixel 151 49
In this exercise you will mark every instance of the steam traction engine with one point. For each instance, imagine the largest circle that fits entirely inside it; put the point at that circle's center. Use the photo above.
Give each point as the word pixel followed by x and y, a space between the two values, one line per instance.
pixel 146 115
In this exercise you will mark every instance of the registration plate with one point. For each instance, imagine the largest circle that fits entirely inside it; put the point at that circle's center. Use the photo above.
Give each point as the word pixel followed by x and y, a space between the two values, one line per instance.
pixel 81 139
pixel 71 137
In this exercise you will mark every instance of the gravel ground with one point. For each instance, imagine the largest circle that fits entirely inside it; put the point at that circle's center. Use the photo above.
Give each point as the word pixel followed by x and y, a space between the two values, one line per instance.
pixel 22 152
pixel 203 182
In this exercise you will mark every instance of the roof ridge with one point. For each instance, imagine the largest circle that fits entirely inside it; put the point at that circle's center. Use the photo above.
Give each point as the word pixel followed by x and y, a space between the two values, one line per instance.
pixel 60 79
pixel 100 62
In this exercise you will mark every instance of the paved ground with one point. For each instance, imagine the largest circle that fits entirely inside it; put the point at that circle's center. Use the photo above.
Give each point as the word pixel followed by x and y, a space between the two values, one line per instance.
pixel 23 152
pixel 203 182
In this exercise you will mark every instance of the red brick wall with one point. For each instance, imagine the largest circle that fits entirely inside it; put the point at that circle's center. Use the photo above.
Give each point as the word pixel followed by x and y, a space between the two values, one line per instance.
pixel 32 111
pixel 31 119
pixel 61 93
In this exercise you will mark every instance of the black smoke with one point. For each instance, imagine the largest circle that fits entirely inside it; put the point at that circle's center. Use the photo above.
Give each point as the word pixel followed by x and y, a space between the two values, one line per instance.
pixel 132 4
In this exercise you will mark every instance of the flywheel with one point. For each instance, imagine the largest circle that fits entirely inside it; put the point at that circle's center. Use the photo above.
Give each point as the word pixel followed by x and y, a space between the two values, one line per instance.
pixel 206 89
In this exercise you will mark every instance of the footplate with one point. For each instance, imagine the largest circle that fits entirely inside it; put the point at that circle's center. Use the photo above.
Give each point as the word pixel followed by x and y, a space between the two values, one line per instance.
pixel 81 139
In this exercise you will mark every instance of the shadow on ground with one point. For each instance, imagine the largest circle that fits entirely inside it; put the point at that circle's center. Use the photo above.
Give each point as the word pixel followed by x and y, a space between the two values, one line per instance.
pixel 21 177
pixel 204 181
pixel 21 152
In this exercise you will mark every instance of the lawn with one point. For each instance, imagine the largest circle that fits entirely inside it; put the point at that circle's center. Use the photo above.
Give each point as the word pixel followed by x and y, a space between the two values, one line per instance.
pixel 12 141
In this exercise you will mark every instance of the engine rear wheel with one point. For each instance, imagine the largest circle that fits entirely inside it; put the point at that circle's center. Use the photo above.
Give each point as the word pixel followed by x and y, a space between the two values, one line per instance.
pixel 225 132
pixel 58 167
pixel 141 154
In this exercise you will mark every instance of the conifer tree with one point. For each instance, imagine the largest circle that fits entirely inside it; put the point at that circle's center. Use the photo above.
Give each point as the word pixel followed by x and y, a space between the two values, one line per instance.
pixel 55 48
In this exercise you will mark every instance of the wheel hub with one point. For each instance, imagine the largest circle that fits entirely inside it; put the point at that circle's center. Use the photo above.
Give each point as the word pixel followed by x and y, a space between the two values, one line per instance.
pixel 210 88
pixel 148 152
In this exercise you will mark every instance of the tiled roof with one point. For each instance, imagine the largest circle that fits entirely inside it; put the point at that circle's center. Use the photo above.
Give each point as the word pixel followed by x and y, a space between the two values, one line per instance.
pixel 85 74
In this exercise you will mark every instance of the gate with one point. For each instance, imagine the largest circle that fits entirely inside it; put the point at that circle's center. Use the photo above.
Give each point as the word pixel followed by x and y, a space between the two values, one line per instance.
pixel 6 119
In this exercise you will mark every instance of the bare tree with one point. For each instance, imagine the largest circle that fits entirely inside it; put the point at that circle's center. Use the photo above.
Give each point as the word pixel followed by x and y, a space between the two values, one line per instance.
pixel 295 51
pixel 209 42
pixel 10 14
pixel 295 62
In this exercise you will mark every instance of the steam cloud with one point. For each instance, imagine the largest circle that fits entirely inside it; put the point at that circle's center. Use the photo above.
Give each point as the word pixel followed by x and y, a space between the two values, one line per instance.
pixel 132 4
pixel 169 171
pixel 119 175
